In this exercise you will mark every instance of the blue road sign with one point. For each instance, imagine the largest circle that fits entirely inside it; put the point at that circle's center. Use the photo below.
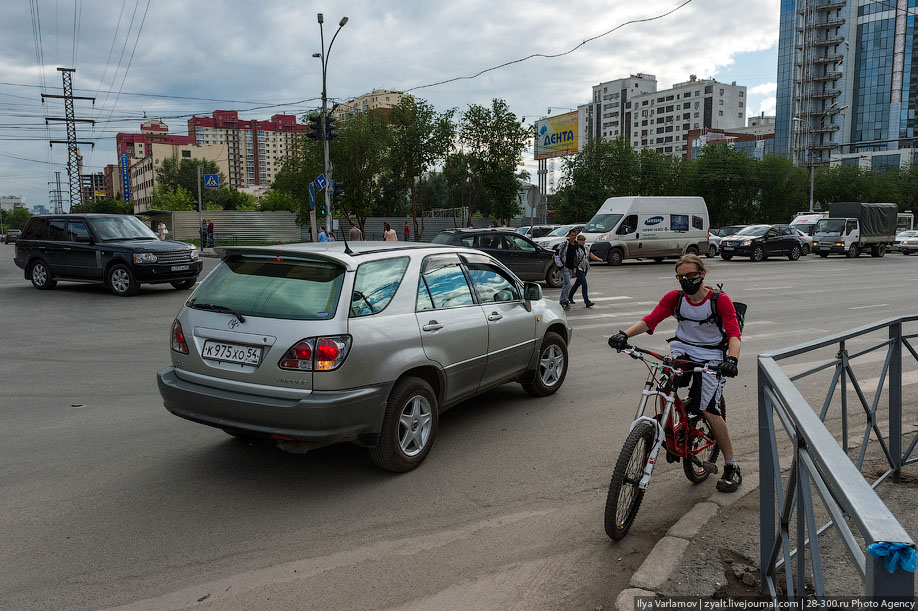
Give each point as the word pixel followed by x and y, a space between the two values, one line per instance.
pixel 312 197
pixel 320 182
pixel 211 181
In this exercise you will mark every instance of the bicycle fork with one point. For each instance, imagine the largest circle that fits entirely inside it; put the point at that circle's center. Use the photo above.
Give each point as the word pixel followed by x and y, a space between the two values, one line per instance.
pixel 659 433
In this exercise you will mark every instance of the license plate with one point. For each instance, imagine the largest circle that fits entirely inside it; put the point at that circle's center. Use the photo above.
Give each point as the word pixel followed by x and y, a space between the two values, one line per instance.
pixel 727 248
pixel 233 353
pixel 180 268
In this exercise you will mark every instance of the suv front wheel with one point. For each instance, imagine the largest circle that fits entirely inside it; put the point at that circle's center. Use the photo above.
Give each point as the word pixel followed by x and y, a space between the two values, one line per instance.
pixel 121 281
pixel 409 426
pixel 552 367
pixel 41 276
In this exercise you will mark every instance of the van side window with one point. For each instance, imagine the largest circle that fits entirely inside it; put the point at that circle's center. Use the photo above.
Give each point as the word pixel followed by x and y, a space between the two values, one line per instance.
pixel 697 222
pixel 628 225
pixel 678 222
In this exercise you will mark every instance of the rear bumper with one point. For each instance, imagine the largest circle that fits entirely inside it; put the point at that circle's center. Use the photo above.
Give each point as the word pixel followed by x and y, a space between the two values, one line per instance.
pixel 326 416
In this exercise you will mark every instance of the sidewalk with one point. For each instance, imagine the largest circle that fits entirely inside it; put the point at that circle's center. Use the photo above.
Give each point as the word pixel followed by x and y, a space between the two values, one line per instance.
pixel 713 551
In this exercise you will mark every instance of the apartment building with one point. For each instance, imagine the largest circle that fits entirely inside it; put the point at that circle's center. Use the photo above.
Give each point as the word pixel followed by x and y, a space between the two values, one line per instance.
pixel 143 170
pixel 255 150
pixel 846 89
pixel 131 147
pixel 603 117
pixel 661 120
pixel 377 99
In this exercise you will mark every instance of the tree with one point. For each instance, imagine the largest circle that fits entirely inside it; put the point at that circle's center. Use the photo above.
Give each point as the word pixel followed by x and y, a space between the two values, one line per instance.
pixel 277 200
pixel 462 186
pixel 173 174
pixel 108 206
pixel 15 218
pixel 602 170
pixel 725 177
pixel 783 189
pixel 495 139
pixel 421 138
pixel 165 198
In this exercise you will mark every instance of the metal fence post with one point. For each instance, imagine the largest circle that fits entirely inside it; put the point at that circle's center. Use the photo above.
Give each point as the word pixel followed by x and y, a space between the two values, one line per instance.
pixel 894 392
pixel 884 585
pixel 766 484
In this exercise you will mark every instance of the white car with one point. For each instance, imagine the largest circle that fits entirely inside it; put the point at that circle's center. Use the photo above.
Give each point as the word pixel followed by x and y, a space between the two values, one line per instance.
pixel 901 237
pixel 806 242
pixel 716 235
pixel 558 235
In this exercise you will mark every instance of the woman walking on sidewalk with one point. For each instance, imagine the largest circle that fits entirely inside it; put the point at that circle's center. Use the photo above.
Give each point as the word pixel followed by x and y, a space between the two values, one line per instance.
pixel 583 266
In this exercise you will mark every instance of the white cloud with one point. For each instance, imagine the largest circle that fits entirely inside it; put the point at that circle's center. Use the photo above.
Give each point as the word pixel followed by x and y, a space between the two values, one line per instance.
pixel 764 89
pixel 767 106
pixel 262 53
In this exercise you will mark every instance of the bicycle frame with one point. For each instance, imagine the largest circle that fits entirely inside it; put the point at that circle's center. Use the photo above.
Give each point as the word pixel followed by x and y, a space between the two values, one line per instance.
pixel 661 383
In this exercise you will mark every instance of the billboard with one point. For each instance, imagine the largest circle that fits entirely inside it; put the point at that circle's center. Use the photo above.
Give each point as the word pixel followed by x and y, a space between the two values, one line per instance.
pixel 556 136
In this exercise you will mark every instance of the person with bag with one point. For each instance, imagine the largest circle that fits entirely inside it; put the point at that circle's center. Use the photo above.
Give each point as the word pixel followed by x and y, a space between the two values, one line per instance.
pixel 583 266
pixel 565 259
pixel 708 331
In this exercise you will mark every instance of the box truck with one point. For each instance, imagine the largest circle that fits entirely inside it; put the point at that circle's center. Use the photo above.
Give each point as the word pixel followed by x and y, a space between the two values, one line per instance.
pixel 648 228
pixel 853 227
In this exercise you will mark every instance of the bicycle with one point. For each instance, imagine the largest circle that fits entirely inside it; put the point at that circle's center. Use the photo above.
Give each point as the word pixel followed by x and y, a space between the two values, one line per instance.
pixel 687 438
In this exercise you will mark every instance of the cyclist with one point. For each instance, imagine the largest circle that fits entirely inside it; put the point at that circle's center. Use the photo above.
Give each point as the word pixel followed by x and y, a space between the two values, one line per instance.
pixel 705 333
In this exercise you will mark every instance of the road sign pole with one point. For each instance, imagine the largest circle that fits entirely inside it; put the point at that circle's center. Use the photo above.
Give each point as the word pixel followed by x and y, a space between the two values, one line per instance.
pixel 313 230
pixel 200 209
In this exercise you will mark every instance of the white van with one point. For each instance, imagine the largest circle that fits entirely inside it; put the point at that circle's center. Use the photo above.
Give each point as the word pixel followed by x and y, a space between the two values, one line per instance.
pixel 806 221
pixel 648 228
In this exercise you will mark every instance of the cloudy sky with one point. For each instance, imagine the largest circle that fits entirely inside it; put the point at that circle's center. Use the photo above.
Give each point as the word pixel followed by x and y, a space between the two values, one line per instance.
pixel 171 59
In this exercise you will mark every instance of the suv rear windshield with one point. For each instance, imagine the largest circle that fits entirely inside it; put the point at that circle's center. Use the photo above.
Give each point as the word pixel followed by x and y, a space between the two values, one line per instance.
pixel 121 228
pixel 442 238
pixel 274 287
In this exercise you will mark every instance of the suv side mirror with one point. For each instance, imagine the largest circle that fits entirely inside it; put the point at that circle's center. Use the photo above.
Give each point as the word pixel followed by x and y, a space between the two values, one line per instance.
pixel 83 239
pixel 532 291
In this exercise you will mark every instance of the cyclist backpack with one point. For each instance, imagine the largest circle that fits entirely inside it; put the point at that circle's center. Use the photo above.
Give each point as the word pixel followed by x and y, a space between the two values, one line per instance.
pixel 739 308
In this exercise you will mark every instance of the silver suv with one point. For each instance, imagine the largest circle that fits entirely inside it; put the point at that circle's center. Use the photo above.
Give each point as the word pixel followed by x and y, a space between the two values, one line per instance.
pixel 326 342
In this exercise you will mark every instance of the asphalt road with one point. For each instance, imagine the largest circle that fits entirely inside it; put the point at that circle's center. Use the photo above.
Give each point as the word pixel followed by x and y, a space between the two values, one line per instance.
pixel 107 500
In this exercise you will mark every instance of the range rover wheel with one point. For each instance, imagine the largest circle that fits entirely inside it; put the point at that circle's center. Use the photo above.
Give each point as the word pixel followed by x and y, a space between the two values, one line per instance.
pixel 409 426
pixel 120 281
pixel 184 285
pixel 553 277
pixel 41 276
pixel 552 367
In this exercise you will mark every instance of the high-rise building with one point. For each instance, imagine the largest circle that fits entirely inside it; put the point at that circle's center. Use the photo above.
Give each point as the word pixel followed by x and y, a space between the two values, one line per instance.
pixel 661 120
pixel 131 147
pixel 11 202
pixel 604 116
pixel 378 99
pixel 255 150
pixel 846 92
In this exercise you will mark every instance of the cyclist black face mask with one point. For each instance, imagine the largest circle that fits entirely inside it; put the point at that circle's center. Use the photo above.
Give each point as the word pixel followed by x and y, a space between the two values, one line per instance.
pixel 691 285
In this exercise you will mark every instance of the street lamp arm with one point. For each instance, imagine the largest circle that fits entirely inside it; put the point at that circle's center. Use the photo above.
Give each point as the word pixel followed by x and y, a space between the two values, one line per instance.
pixel 333 41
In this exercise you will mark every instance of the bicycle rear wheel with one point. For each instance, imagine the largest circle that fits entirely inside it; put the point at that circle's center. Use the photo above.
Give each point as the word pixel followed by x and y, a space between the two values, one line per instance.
pixel 624 498
pixel 697 473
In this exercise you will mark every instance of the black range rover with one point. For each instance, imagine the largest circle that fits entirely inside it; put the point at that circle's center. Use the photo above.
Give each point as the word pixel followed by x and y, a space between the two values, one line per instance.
pixel 115 249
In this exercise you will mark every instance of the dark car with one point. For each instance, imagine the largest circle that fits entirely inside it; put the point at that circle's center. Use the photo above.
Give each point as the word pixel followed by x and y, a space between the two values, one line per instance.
pixel 525 258
pixel 115 249
pixel 11 236
pixel 758 242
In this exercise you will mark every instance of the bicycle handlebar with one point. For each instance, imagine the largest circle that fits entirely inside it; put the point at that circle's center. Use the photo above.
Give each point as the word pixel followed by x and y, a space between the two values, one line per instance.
pixel 681 364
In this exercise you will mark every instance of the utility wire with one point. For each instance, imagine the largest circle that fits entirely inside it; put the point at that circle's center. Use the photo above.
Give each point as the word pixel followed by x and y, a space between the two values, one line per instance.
pixel 549 56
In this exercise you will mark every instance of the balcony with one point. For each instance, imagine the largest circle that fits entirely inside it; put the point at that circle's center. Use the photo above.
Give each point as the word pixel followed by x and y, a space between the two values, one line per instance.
pixel 828 93
pixel 828 23
pixel 828 76
pixel 827 5
pixel 826 129
pixel 827 59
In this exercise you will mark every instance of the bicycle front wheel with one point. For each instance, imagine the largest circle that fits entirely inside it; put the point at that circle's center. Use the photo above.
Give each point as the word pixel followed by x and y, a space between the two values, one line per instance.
pixel 625 496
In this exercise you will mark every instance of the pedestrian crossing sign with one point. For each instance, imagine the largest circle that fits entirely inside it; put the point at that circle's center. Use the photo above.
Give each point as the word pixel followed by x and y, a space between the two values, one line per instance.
pixel 211 181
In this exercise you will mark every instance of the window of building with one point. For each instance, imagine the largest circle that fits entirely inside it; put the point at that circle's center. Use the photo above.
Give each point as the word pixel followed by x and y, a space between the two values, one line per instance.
pixel 709 89
pixel 686 105
pixel 720 102
pixel 720 113
pixel 721 92
pixel 186 153
pixel 696 116
pixel 739 115
pixel 740 93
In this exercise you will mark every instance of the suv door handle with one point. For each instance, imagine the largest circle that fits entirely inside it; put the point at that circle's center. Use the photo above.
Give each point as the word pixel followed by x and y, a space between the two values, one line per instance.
pixel 495 316
pixel 432 326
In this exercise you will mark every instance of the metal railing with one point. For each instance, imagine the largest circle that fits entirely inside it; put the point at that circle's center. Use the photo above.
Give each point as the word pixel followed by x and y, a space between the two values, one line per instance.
pixel 820 463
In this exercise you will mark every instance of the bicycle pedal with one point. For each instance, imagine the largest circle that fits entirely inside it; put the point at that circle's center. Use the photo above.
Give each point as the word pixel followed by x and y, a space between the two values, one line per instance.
pixel 671 458
pixel 709 466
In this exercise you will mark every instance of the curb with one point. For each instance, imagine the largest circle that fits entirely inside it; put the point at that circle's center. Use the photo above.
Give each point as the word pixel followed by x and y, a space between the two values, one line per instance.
pixel 666 556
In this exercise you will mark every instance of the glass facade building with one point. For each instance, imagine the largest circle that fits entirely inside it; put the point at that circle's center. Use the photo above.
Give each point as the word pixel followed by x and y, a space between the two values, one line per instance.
pixel 845 85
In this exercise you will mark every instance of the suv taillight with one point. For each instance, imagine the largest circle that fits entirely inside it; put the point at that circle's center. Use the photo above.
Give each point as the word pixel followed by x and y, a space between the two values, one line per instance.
pixel 178 338
pixel 317 353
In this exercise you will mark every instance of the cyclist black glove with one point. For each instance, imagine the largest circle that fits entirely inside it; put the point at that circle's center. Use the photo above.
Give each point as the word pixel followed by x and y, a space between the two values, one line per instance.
pixel 619 341
pixel 728 367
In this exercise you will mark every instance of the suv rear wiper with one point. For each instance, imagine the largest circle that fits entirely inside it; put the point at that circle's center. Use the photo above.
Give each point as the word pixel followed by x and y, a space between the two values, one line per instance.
pixel 217 308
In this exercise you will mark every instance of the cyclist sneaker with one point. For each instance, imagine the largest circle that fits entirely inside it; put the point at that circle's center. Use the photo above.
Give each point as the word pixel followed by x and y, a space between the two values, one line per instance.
pixel 671 458
pixel 731 479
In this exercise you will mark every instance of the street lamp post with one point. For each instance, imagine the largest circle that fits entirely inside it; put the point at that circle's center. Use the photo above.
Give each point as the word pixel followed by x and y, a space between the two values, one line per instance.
pixel 809 150
pixel 323 57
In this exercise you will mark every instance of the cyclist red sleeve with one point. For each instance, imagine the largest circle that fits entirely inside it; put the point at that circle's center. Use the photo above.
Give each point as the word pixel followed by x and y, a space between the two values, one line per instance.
pixel 728 315
pixel 665 309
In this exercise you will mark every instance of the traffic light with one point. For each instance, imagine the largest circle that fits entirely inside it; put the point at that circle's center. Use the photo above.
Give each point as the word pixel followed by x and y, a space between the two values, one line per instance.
pixel 321 207
pixel 338 193
pixel 315 127
pixel 330 133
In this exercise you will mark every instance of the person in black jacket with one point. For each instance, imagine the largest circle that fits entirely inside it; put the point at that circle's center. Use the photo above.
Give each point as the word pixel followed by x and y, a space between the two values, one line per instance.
pixel 567 252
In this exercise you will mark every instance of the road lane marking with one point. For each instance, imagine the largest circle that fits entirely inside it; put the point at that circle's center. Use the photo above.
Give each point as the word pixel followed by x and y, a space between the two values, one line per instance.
pixel 876 305
pixel 768 288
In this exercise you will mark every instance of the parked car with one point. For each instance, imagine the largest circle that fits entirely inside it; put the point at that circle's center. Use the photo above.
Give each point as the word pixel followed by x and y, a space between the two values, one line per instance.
pixel 524 257
pixel 901 237
pixel 115 249
pixel 536 231
pixel 559 235
pixel 368 342
pixel 719 234
pixel 11 236
pixel 758 242
pixel 909 245
pixel 806 241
